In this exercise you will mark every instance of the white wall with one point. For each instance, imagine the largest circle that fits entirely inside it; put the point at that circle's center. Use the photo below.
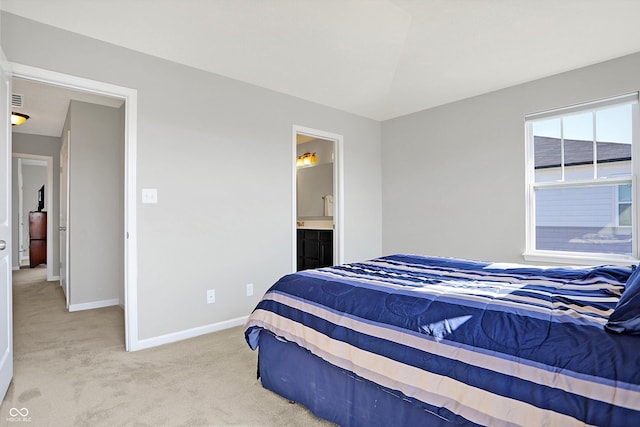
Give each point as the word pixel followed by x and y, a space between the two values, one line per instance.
pixel 453 176
pixel 219 152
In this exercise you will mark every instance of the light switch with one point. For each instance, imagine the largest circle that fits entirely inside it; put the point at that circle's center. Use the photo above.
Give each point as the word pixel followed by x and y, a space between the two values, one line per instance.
pixel 149 195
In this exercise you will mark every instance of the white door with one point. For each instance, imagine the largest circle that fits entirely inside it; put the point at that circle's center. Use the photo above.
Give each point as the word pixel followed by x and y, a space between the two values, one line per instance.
pixel 64 215
pixel 6 299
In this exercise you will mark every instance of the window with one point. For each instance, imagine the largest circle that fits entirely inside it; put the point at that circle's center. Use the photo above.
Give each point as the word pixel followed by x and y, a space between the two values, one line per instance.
pixel 580 181
pixel 624 205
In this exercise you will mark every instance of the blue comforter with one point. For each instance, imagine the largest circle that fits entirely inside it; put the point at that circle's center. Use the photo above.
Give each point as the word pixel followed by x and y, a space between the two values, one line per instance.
pixel 494 344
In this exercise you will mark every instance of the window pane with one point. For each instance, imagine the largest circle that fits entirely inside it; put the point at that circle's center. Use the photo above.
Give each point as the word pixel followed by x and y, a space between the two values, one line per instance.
pixel 624 193
pixel 624 215
pixel 581 219
pixel 614 159
pixel 578 159
pixel 577 131
pixel 624 205
pixel 613 131
pixel 578 127
pixel 547 150
pixel 614 124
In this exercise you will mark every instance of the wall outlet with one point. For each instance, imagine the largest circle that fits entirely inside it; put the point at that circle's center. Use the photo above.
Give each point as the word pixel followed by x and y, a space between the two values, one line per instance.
pixel 211 296
pixel 149 195
pixel 249 289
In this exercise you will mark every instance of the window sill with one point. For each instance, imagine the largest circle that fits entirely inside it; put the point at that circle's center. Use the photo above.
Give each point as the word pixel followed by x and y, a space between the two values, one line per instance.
pixel 573 258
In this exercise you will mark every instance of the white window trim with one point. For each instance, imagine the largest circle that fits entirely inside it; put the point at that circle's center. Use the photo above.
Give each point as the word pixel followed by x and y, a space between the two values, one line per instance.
pixel 582 258
pixel 578 108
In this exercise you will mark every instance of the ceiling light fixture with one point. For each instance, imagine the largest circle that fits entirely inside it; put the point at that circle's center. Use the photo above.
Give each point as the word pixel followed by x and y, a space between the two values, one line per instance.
pixel 18 118
pixel 306 159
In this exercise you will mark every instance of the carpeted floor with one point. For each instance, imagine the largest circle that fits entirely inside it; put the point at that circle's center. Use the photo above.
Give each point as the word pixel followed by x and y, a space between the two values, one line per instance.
pixel 70 369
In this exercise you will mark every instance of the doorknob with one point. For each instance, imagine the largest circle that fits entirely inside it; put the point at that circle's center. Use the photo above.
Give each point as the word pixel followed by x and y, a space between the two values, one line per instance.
pixel 3 245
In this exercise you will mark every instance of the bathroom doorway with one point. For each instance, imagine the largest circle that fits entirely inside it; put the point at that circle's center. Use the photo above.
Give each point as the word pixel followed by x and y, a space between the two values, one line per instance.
pixel 317 199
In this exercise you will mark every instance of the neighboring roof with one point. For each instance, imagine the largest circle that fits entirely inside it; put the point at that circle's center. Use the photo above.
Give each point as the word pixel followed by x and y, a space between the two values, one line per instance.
pixel 577 152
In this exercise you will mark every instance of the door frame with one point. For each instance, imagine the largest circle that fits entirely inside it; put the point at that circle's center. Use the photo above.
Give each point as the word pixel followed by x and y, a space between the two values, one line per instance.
pixel 338 191
pixel 66 141
pixel 130 98
pixel 24 158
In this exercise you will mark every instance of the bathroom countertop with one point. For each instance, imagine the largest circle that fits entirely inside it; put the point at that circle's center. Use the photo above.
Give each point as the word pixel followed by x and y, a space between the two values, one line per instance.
pixel 315 223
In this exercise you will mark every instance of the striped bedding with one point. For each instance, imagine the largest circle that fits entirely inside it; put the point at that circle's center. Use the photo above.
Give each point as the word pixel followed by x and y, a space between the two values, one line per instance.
pixel 491 344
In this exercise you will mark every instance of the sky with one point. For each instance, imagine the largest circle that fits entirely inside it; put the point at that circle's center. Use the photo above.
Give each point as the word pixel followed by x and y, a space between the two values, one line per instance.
pixel 612 125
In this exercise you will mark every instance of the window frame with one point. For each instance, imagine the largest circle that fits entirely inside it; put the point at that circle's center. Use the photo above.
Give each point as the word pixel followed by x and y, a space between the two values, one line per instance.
pixel 558 256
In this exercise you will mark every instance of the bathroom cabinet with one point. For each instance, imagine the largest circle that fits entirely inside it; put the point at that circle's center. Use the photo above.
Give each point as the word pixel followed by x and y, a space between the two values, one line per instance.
pixel 315 248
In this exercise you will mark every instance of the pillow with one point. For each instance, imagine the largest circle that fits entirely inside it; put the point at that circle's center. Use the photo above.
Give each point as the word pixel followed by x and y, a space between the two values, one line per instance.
pixel 625 318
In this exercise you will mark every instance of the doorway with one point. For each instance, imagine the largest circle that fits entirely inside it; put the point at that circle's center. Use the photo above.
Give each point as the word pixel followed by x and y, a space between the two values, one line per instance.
pixel 317 199
pixel 129 98
pixel 28 167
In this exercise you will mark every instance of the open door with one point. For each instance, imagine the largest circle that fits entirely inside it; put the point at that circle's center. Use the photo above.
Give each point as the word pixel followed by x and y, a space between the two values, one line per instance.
pixel 6 297
pixel 317 208
pixel 64 215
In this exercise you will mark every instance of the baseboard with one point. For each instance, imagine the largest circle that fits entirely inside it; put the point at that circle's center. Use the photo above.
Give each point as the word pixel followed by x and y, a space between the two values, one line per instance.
pixel 53 279
pixel 94 304
pixel 189 333
pixel 14 268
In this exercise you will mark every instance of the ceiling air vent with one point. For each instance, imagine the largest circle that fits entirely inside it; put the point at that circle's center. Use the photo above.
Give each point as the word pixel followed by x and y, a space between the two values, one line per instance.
pixel 16 100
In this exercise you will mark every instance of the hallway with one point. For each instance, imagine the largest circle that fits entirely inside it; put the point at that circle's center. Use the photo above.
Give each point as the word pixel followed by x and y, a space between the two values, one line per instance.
pixel 53 348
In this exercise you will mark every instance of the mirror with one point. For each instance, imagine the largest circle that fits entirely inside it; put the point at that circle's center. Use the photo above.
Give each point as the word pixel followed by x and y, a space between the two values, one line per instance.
pixel 314 181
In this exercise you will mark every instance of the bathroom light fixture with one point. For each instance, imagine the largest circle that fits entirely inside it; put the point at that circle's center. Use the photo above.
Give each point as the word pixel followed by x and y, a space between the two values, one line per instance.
pixel 18 118
pixel 306 159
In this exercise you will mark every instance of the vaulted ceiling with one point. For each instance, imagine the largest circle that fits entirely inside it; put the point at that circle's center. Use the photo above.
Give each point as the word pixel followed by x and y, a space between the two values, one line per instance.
pixel 375 58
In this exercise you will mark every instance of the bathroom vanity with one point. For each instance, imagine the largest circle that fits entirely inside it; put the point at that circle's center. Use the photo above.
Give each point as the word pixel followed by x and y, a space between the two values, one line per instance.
pixel 315 242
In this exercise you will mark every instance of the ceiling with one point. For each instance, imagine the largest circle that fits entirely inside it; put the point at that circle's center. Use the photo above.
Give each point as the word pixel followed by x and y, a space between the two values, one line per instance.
pixel 47 106
pixel 375 58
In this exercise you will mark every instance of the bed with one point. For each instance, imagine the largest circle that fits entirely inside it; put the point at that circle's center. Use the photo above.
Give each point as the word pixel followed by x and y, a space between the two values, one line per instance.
pixel 413 340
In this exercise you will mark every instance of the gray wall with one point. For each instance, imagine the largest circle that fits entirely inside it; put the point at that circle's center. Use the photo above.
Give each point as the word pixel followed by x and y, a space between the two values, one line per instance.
pixel 96 202
pixel 219 152
pixel 454 177
pixel 43 146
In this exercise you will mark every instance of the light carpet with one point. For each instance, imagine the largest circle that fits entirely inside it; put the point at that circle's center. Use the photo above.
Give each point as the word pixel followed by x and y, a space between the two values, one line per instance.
pixel 70 369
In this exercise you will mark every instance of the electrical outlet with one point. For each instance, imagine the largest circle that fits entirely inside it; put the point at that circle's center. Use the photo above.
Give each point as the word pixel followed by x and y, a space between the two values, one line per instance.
pixel 211 296
pixel 149 195
pixel 249 289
